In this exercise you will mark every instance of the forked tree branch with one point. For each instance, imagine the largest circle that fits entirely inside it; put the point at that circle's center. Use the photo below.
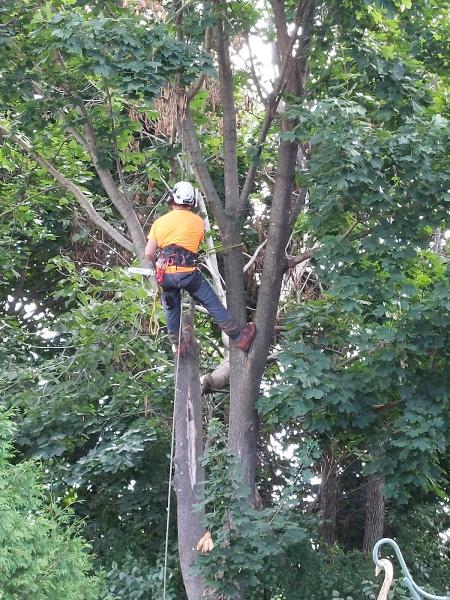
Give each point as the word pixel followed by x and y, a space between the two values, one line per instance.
pixel 68 185
pixel 230 168
pixel 89 144
pixel 123 206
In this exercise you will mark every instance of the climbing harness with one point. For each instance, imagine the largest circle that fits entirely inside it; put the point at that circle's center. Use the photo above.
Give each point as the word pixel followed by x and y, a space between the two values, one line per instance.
pixel 416 592
pixel 177 256
pixel 173 255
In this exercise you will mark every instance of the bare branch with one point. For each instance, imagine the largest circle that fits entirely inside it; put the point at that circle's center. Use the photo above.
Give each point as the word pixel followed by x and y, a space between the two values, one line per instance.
pixel 293 261
pixel 255 256
pixel 65 183
pixel 254 75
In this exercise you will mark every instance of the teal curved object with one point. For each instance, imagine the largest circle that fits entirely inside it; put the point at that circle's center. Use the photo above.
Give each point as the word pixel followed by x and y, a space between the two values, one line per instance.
pixel 417 593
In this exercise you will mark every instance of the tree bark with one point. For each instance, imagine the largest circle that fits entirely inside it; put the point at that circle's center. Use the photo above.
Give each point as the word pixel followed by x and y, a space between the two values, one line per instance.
pixel 328 497
pixel 375 503
pixel 247 371
pixel 189 472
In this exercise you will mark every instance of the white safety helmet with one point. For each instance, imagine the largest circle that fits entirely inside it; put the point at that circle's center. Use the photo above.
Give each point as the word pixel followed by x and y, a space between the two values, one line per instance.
pixel 183 194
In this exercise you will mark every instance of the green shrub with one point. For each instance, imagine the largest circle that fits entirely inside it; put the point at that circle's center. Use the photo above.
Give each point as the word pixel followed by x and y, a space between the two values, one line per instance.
pixel 42 556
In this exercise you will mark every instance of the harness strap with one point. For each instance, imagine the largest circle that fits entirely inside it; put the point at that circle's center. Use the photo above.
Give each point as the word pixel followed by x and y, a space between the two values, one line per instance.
pixel 173 255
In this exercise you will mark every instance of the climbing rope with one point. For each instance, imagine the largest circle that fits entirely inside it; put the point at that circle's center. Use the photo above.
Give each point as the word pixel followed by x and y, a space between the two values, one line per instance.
pixel 153 329
pixel 172 448
pixel 153 322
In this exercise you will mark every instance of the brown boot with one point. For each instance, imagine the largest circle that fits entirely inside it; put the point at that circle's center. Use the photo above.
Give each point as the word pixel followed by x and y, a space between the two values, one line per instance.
pixel 246 337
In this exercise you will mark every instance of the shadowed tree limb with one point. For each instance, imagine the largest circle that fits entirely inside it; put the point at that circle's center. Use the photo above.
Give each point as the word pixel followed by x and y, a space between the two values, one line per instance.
pixel 68 185
pixel 229 121
pixel 192 147
pixel 123 206
pixel 273 102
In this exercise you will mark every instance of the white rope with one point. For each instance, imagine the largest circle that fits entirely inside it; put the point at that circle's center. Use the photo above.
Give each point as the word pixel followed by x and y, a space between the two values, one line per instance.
pixel 172 448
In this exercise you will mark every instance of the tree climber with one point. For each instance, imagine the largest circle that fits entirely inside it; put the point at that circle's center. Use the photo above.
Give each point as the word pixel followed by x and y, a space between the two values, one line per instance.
pixel 172 245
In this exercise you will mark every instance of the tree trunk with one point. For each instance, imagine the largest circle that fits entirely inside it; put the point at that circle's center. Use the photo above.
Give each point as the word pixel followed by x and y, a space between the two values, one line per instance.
pixel 189 472
pixel 328 498
pixel 246 374
pixel 374 525
pixel 247 371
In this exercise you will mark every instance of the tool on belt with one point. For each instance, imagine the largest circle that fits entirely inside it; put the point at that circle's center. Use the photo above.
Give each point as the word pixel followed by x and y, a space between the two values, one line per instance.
pixel 173 255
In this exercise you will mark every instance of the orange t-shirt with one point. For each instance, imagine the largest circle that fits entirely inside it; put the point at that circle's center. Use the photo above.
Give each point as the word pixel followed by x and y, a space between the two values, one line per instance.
pixel 181 227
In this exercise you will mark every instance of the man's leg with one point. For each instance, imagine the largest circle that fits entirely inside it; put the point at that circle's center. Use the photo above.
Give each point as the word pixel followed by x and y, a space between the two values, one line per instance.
pixel 171 303
pixel 202 292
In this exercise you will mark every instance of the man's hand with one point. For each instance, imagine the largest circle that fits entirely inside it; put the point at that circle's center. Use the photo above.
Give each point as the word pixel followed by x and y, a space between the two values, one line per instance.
pixel 150 250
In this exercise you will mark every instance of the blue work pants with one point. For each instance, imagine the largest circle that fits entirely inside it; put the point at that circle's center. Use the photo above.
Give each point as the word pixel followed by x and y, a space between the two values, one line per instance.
pixel 197 287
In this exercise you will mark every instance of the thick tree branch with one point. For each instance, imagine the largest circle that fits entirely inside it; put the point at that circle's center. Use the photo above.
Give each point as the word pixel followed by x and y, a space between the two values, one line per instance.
pixel 274 100
pixel 192 147
pixel 217 379
pixel 229 122
pixel 293 261
pixel 196 86
pixel 65 183
pixel 243 427
pixel 123 206
pixel 279 17
pixel 88 143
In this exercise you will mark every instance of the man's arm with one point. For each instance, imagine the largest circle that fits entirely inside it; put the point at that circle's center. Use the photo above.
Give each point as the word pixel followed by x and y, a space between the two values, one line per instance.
pixel 150 250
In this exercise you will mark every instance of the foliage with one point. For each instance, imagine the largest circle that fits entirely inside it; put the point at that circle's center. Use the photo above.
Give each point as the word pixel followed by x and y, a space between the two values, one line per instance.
pixel 365 364
pixel 421 532
pixel 96 413
pixel 135 579
pixel 249 544
pixel 42 554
